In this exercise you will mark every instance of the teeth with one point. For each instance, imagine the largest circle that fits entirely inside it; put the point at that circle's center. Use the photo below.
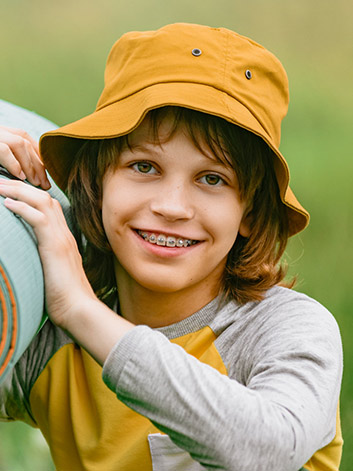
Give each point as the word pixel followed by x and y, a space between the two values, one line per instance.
pixel 168 241
pixel 171 241
pixel 161 239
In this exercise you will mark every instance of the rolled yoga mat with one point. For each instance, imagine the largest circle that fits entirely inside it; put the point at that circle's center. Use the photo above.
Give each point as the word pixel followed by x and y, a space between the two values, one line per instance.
pixel 21 278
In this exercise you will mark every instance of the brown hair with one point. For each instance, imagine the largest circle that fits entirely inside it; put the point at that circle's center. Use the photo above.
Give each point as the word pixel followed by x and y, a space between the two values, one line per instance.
pixel 253 264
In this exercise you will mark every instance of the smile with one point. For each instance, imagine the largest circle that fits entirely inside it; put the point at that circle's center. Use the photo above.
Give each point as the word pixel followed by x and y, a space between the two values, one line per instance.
pixel 167 241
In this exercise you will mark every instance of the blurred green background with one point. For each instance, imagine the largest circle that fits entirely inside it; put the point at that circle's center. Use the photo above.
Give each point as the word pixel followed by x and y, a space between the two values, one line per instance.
pixel 52 61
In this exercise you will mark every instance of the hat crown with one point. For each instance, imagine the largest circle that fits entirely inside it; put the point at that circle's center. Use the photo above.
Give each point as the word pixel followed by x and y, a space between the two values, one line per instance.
pixel 211 70
pixel 139 60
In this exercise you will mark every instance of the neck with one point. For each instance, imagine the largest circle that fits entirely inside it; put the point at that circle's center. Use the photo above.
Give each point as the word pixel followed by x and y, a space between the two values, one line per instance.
pixel 157 309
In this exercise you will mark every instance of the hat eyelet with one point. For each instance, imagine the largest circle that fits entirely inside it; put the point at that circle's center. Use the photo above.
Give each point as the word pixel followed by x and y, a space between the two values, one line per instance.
pixel 248 74
pixel 196 52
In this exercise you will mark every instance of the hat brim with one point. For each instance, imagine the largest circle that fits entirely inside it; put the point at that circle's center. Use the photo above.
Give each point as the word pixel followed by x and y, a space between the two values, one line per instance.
pixel 59 147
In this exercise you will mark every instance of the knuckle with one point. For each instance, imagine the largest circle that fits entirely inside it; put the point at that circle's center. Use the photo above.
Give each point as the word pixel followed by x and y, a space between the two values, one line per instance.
pixel 18 143
pixel 56 204
pixel 27 145
pixel 19 132
pixel 42 220
pixel 42 201
pixel 46 199
pixel 24 134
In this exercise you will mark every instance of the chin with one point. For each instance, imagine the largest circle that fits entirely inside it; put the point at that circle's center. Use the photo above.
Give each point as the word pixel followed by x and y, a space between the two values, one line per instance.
pixel 165 287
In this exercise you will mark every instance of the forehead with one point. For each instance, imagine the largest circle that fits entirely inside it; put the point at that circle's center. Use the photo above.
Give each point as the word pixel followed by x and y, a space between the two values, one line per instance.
pixel 153 132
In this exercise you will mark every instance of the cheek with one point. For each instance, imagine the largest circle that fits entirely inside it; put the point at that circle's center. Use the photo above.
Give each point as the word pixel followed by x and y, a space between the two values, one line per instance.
pixel 228 235
pixel 111 211
pixel 226 221
pixel 119 207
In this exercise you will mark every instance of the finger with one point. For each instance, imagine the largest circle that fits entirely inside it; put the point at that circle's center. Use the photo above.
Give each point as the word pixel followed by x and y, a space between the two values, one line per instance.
pixel 41 211
pixel 44 225
pixel 8 160
pixel 47 218
pixel 19 148
pixel 17 190
pixel 28 213
pixel 38 169
pixel 36 207
pixel 25 150
pixel 25 135
pixel 35 166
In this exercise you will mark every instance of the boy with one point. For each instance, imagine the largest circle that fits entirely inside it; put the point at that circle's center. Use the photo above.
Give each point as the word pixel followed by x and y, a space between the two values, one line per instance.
pixel 179 188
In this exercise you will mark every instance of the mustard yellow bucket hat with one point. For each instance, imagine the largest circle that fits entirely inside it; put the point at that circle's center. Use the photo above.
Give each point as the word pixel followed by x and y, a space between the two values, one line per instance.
pixel 212 70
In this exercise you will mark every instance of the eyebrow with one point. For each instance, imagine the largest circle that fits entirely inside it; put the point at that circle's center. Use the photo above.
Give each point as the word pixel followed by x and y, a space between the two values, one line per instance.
pixel 142 147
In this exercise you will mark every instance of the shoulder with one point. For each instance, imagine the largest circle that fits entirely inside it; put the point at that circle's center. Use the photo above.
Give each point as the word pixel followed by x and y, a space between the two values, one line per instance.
pixel 285 322
pixel 279 308
pixel 279 295
pixel 285 308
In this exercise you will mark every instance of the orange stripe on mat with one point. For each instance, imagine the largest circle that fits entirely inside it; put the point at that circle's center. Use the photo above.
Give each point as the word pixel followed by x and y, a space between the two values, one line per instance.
pixel 6 320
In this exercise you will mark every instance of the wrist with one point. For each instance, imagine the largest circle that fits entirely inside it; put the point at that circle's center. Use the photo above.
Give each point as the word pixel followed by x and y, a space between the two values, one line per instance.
pixel 95 327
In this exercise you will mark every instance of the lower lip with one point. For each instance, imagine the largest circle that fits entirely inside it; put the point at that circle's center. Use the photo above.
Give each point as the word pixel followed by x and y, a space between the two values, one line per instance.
pixel 163 251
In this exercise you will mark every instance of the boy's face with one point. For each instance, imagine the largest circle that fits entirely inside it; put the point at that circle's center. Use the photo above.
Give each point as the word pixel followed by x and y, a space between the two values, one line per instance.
pixel 171 214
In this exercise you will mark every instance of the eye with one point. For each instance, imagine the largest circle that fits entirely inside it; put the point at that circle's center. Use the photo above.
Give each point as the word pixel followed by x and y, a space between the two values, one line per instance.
pixel 143 167
pixel 212 179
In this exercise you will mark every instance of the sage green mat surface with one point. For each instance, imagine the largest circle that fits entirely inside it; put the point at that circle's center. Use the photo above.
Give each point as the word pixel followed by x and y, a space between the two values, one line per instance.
pixel 21 278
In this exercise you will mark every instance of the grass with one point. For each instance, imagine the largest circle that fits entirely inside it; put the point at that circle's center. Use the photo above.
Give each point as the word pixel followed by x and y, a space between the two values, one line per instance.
pixel 53 56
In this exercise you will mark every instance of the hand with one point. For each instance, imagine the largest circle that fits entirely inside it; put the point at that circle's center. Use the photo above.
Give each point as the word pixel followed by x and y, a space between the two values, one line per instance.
pixel 66 285
pixel 70 300
pixel 19 154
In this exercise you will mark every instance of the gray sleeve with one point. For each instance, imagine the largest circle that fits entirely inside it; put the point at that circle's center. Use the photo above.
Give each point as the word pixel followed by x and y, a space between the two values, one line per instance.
pixel 16 388
pixel 14 397
pixel 277 419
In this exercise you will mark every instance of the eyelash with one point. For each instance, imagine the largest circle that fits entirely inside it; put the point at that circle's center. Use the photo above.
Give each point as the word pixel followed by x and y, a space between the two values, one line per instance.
pixel 136 166
pixel 220 180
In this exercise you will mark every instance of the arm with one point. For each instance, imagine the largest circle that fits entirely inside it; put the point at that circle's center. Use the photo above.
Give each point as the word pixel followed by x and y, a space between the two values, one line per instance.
pixel 282 413
pixel 70 300
pixel 13 398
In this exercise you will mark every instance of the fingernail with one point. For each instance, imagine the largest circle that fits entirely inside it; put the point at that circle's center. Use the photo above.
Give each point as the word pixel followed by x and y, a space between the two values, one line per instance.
pixel 36 181
pixel 8 202
pixel 46 184
pixel 22 175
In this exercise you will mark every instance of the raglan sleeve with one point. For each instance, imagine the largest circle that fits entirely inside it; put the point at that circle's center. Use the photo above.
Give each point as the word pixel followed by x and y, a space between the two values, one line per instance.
pixel 282 411
pixel 16 386
pixel 14 400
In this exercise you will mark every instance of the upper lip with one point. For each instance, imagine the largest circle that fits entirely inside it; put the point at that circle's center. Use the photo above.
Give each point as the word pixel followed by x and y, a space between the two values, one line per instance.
pixel 167 233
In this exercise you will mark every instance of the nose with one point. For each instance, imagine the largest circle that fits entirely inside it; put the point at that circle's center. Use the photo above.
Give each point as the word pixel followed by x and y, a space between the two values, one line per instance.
pixel 173 202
